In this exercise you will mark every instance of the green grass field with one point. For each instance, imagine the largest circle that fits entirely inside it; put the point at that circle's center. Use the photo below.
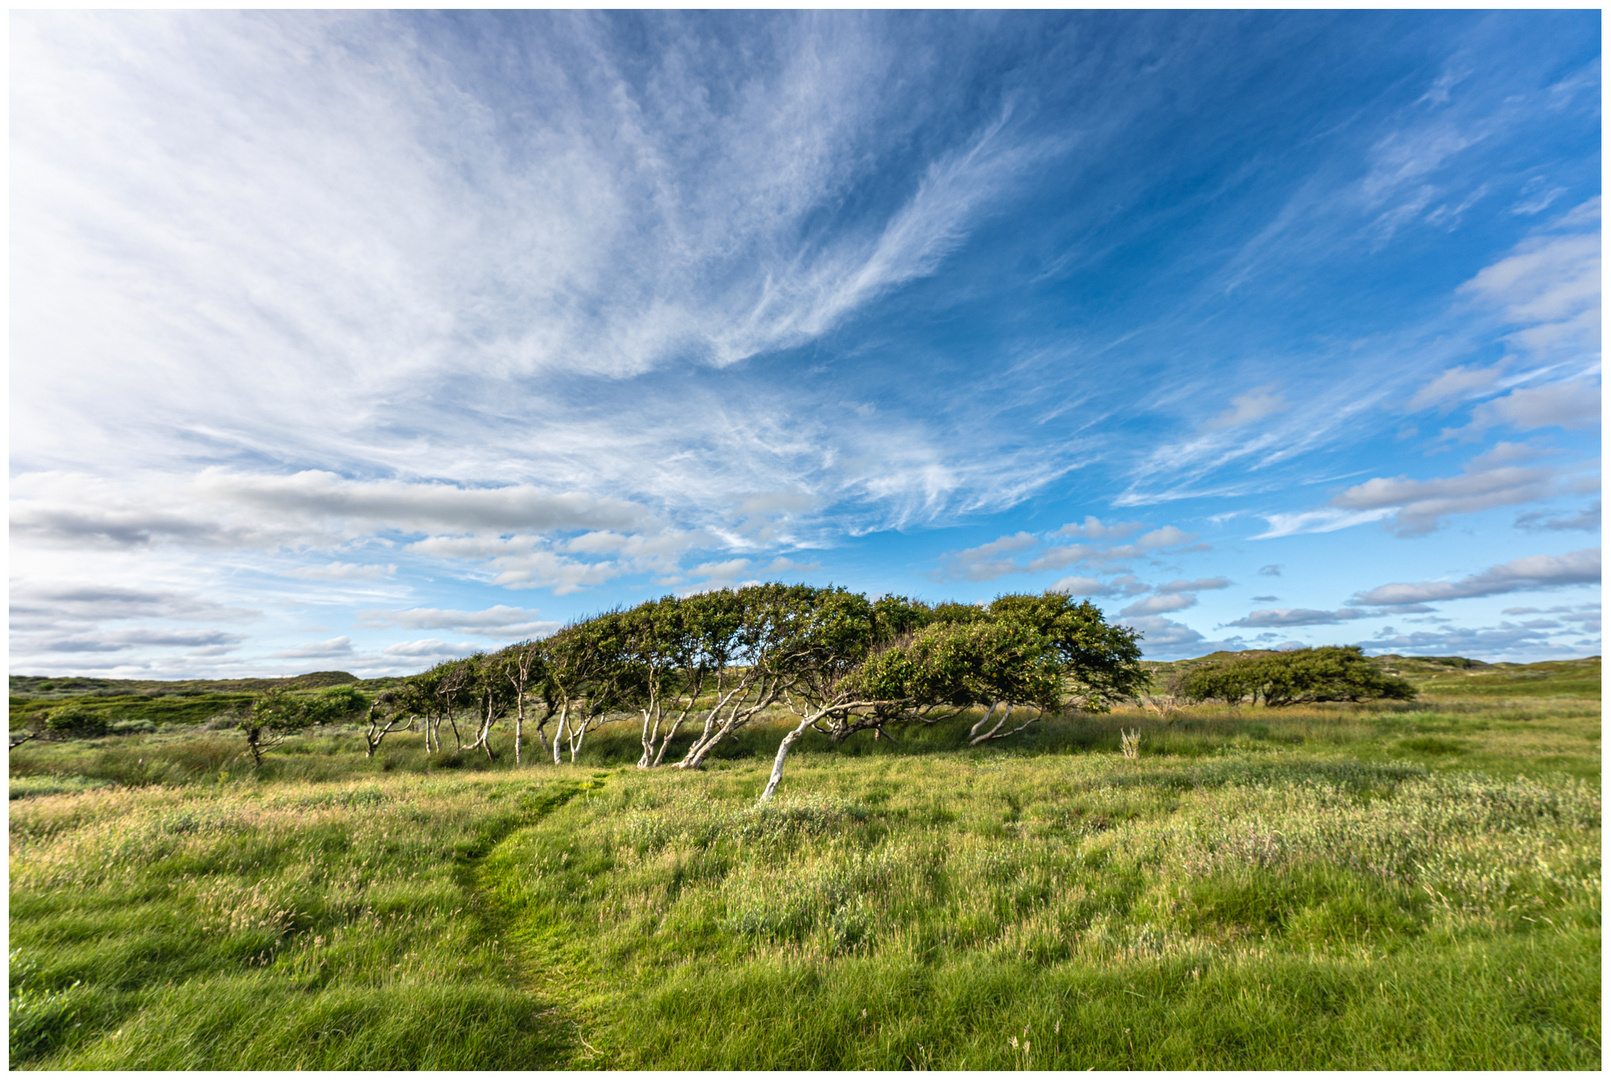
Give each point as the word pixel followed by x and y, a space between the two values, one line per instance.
pixel 1406 886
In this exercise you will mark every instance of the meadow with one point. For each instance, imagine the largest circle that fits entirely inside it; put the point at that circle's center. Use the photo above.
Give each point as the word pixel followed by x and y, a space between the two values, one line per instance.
pixel 1403 885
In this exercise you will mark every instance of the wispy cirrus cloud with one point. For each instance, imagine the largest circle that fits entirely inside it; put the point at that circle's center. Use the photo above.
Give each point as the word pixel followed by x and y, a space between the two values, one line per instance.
pixel 684 231
pixel 340 571
pixel 322 314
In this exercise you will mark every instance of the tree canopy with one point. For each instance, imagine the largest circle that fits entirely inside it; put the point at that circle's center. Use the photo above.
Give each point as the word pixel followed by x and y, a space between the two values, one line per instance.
pixel 712 663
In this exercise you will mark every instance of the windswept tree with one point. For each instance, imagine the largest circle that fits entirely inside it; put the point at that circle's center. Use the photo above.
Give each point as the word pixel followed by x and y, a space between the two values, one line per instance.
pixel 435 696
pixel 337 704
pixel 1098 663
pixel 713 663
pixel 924 677
pixel 1034 654
pixel 1327 673
pixel 273 717
pixel 785 632
pixel 452 690
pixel 489 695
pixel 589 676
pixel 524 668
pixel 671 647
pixel 386 714
pixel 854 693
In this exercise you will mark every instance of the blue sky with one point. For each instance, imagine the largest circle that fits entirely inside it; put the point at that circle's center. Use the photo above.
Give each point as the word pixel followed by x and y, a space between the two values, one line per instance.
pixel 362 340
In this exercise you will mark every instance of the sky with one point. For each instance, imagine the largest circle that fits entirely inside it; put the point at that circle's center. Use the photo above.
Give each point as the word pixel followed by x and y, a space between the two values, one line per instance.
pixel 363 340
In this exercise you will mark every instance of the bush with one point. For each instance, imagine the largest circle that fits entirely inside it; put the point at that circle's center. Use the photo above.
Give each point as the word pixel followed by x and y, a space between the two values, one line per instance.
pixel 75 722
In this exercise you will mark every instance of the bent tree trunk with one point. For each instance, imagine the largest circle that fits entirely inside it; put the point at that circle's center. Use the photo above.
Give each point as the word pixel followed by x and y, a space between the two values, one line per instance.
pixel 810 720
pixel 377 733
pixel 974 736
pixel 559 731
pixel 743 704
pixel 579 731
pixel 783 752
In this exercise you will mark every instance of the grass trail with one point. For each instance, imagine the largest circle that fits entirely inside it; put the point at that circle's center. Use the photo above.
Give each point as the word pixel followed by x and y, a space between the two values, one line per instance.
pixel 307 926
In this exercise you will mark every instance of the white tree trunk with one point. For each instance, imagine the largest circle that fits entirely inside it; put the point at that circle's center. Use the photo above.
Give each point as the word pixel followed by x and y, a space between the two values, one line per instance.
pixel 783 752
pixel 983 720
pixel 559 730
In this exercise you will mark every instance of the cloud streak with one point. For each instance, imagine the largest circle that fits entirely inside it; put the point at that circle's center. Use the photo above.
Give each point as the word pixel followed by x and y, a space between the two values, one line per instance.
pixel 1518 575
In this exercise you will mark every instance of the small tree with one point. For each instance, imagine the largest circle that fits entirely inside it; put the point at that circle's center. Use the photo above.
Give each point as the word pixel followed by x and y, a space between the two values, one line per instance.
pixel 698 641
pixel 779 628
pixel 388 713
pixel 274 717
pixel 588 674
pixel 434 696
pixel 523 667
pixel 1098 663
pixel 1167 699
pixel 491 695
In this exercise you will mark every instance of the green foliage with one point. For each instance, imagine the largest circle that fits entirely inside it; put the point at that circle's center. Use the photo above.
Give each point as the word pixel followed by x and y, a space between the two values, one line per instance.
pixel 273 717
pixel 1328 673
pixel 336 705
pixel 1229 682
pixel 1102 661
pixel 75 722
pixel 895 617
